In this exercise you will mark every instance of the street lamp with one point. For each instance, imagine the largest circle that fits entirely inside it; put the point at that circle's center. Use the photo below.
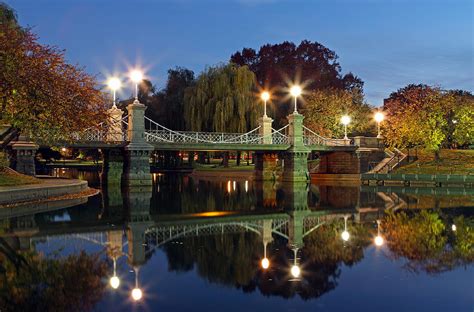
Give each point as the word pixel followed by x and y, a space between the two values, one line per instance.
pixel 345 120
pixel 137 293
pixel 378 239
pixel 345 234
pixel 379 117
pixel 114 280
pixel 265 262
pixel 295 92
pixel 295 269
pixel 265 97
pixel 136 76
pixel 114 84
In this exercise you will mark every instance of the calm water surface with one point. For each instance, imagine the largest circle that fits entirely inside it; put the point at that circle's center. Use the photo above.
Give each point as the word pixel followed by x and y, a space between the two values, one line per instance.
pixel 197 245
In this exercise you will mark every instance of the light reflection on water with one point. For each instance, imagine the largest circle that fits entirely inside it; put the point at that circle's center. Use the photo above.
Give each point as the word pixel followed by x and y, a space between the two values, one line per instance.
pixel 314 239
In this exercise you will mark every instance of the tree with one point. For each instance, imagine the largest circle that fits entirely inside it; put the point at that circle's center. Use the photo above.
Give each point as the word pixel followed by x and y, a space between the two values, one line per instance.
pixel 415 116
pixel 461 119
pixel 310 63
pixel 40 94
pixel 222 100
pixel 323 110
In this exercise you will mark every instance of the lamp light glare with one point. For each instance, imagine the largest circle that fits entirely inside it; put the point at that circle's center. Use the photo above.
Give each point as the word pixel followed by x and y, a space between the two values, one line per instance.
pixel 295 91
pixel 137 294
pixel 345 120
pixel 378 240
pixel 295 271
pixel 114 282
pixel 453 227
pixel 379 117
pixel 114 83
pixel 136 76
pixel 345 236
pixel 265 96
pixel 265 263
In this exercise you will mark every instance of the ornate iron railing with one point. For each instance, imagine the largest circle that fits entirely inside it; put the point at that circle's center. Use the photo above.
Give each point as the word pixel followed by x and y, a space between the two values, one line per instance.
pixel 312 138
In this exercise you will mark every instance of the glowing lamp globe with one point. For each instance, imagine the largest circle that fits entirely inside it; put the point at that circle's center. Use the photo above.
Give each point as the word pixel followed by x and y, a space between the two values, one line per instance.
pixel 114 83
pixel 378 240
pixel 265 263
pixel 137 294
pixel 345 236
pixel 114 282
pixel 136 76
pixel 345 120
pixel 295 91
pixel 295 271
pixel 265 96
pixel 379 117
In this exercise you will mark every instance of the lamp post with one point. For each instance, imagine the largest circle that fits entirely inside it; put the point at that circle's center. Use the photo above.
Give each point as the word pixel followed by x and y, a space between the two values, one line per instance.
pixel 378 239
pixel 265 262
pixel 137 293
pixel 345 234
pixel 379 117
pixel 114 84
pixel 295 92
pixel 345 120
pixel 136 76
pixel 114 280
pixel 295 269
pixel 265 97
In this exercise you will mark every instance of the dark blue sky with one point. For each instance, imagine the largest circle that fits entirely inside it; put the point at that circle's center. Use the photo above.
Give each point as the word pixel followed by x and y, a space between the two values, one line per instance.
pixel 388 43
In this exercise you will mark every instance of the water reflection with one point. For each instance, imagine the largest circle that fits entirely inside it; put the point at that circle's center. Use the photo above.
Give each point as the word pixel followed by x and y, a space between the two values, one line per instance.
pixel 283 240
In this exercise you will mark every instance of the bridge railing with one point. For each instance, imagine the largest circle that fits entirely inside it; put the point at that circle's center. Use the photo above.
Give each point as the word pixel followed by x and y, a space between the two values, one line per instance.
pixel 312 138
pixel 107 132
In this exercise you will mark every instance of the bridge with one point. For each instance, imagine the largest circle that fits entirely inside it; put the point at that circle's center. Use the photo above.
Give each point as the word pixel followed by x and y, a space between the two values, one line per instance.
pixel 127 143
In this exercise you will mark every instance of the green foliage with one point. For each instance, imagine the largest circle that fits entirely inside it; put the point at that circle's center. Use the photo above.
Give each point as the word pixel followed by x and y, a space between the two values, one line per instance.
pixel 73 283
pixel 323 111
pixel 222 100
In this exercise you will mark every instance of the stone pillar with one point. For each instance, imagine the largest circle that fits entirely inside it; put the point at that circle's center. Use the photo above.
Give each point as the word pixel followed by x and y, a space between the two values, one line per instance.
pixel 265 130
pixel 296 205
pixel 137 153
pixel 265 166
pixel 112 166
pixel 24 156
pixel 296 157
pixel 115 131
pixel 137 203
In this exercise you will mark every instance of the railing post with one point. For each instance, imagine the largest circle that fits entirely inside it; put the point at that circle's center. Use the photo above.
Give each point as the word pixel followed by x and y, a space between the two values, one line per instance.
pixel 265 130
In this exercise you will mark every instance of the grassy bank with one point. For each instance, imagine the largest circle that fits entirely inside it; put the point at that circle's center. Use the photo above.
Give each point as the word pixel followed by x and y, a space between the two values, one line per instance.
pixel 452 162
pixel 9 177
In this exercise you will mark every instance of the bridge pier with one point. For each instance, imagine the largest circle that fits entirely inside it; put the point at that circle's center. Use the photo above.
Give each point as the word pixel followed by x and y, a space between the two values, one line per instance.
pixel 136 170
pixel 24 156
pixel 112 166
pixel 295 159
pixel 265 165
pixel 296 206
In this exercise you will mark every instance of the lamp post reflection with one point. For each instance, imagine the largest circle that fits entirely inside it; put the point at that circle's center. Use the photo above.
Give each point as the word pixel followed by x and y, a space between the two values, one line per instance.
pixel 114 280
pixel 295 269
pixel 378 239
pixel 265 262
pixel 137 293
pixel 345 234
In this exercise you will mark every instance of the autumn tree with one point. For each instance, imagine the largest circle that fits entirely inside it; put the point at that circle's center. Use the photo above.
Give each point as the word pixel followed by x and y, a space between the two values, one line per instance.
pixel 41 94
pixel 310 63
pixel 323 110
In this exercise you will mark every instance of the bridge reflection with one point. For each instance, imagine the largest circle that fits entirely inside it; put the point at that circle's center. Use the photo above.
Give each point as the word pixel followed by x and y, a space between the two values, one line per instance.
pixel 225 232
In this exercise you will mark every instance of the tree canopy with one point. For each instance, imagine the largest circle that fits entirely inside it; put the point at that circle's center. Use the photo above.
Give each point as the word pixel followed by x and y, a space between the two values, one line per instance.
pixel 222 99
pixel 41 94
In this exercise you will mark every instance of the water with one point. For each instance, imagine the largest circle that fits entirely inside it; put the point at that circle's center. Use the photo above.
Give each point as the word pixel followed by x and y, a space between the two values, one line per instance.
pixel 197 245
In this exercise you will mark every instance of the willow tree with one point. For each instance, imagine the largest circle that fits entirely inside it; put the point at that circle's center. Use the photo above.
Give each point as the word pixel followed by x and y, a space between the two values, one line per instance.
pixel 223 100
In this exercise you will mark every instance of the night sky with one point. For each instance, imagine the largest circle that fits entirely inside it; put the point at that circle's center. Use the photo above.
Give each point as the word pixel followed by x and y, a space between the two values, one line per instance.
pixel 389 43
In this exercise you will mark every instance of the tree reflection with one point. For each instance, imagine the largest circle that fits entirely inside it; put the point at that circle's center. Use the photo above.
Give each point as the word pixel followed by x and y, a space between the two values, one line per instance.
pixel 38 283
pixel 428 241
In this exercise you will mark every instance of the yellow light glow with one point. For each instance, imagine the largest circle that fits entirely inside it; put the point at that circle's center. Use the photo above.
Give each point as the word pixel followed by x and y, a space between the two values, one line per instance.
pixel 378 240
pixel 229 186
pixel 114 282
pixel 345 120
pixel 453 227
pixel 63 149
pixel 137 294
pixel 379 117
pixel 345 236
pixel 295 271
pixel 114 83
pixel 136 76
pixel 265 263
pixel 265 96
pixel 295 91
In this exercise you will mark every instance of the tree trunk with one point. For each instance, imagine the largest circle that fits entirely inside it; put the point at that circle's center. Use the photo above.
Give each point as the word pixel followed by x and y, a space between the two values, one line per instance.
pixel 191 159
pixel 437 156
pixel 202 157
pixel 225 159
